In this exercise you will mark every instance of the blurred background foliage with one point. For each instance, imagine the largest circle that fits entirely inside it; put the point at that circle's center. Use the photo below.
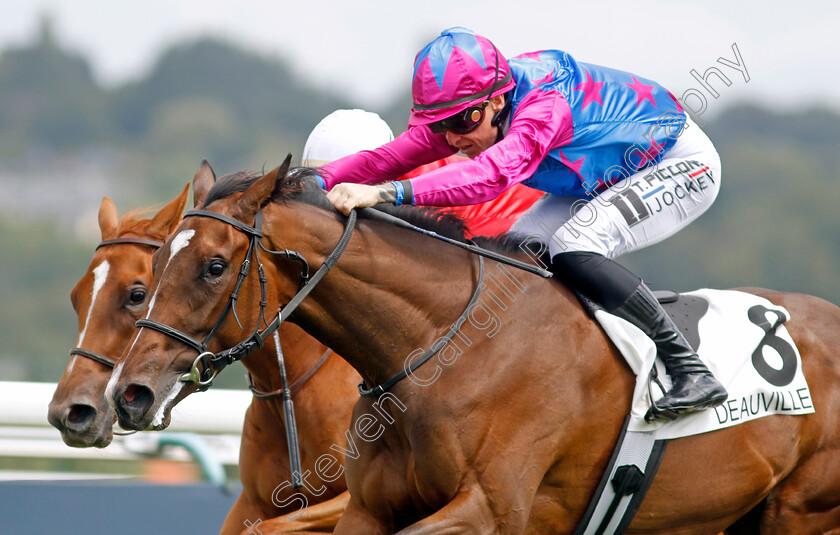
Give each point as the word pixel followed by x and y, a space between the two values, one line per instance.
pixel 65 141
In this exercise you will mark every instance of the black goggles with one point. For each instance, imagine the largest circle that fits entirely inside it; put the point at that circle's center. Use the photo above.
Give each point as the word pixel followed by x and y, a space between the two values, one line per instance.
pixel 462 122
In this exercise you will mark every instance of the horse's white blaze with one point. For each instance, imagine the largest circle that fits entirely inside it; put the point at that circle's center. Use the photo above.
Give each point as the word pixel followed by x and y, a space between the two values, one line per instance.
pixel 100 274
pixel 178 243
pixel 151 306
pixel 109 390
pixel 115 376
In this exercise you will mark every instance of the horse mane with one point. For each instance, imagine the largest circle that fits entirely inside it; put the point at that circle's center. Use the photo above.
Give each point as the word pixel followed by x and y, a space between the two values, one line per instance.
pixel 301 186
pixel 135 221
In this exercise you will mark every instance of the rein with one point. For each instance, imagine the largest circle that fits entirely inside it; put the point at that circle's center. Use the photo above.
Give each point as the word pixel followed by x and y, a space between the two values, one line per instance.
pixel 295 386
pixel 96 357
pixel 471 247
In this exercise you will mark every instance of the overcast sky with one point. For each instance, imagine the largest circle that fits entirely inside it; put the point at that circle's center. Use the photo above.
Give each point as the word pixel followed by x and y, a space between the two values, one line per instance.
pixel 366 47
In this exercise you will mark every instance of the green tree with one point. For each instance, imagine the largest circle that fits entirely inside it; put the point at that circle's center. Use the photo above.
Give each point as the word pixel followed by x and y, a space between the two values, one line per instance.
pixel 257 97
pixel 49 98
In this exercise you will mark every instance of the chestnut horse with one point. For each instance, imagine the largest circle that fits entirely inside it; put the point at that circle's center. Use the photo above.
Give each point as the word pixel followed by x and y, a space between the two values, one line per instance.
pixel 109 299
pixel 509 427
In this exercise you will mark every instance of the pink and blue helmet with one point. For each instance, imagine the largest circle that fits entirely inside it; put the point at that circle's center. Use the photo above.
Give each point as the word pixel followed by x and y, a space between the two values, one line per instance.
pixel 455 71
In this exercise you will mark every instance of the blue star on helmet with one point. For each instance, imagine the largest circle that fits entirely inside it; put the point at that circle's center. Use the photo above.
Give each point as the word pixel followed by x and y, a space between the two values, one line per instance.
pixel 440 50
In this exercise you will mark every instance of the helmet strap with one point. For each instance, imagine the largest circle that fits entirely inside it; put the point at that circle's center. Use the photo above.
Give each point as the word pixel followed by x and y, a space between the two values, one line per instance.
pixel 501 116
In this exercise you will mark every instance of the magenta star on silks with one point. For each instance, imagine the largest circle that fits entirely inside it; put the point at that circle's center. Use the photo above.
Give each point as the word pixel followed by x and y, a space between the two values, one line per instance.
pixel 591 91
pixel 649 156
pixel 545 80
pixel 573 165
pixel 531 55
pixel 677 102
pixel 643 92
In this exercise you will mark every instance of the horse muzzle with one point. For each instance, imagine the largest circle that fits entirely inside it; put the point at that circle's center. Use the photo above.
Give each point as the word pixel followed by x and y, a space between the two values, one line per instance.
pixel 82 425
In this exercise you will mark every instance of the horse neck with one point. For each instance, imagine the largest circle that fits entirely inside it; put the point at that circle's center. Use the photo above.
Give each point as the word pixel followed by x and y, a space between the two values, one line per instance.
pixel 391 292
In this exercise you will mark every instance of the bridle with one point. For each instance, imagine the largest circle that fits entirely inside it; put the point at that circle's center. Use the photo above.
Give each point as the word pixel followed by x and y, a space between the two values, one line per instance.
pixel 96 357
pixel 208 364
pixel 108 362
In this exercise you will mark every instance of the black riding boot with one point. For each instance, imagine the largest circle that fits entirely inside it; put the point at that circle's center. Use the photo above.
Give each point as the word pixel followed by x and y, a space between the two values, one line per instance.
pixel 623 294
pixel 694 386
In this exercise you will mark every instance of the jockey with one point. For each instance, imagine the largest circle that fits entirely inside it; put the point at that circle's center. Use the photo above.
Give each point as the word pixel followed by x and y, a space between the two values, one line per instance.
pixel 344 132
pixel 623 165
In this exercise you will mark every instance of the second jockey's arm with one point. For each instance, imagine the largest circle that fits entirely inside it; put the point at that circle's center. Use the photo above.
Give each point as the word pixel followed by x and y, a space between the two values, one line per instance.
pixel 347 196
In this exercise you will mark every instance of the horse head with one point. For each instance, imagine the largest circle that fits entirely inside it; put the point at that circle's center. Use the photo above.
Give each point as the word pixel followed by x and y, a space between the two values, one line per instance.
pixel 108 299
pixel 200 275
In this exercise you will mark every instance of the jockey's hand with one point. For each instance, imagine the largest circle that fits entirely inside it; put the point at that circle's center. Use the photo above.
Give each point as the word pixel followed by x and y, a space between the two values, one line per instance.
pixel 347 196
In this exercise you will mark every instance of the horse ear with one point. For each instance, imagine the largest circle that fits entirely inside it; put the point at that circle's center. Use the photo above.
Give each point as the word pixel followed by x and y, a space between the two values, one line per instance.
pixel 108 219
pixel 261 191
pixel 202 182
pixel 167 219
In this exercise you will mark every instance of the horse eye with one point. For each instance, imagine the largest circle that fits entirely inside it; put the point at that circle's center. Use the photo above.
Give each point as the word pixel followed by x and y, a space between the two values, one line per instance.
pixel 137 296
pixel 214 269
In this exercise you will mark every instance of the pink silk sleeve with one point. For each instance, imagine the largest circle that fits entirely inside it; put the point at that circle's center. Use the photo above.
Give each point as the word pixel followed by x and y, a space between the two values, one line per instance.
pixel 414 147
pixel 543 121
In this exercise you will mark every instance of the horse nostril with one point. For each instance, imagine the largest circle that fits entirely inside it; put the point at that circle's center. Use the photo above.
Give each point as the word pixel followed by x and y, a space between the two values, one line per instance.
pixel 135 392
pixel 138 399
pixel 80 417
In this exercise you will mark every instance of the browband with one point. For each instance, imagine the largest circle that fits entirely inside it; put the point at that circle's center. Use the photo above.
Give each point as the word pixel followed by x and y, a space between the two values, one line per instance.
pixel 139 241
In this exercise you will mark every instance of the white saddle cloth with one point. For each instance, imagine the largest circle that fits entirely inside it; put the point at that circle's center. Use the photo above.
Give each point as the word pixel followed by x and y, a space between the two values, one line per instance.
pixel 744 343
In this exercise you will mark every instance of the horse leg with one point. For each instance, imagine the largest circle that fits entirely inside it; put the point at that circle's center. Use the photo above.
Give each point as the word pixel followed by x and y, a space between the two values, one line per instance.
pixel 276 526
pixel 789 520
pixel 318 518
pixel 468 512
pixel 748 524
pixel 358 521
pixel 333 507
pixel 279 526
pixel 241 511
pixel 808 501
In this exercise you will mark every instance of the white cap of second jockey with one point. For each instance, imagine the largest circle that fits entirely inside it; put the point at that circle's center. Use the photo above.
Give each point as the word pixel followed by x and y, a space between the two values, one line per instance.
pixel 345 132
